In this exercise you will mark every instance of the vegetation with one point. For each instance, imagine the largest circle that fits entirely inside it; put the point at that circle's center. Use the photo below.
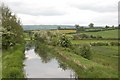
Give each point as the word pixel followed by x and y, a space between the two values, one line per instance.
pixel 79 28
pixel 12 62
pixel 12 44
pixel 91 25
pixel 84 57
pixel 105 34
pixel 11 28
pixel 64 41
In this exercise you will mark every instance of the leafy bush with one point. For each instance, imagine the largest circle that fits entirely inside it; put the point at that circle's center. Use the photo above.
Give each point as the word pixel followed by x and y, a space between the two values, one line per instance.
pixel 80 36
pixel 64 41
pixel 115 43
pixel 85 51
pixel 99 44
pixel 85 36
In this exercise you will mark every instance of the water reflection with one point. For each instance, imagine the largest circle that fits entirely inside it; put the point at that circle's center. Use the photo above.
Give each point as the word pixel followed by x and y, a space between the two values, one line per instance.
pixel 43 64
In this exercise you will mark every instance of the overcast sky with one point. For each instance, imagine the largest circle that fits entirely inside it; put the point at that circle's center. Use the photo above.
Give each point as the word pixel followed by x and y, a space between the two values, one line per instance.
pixel 69 12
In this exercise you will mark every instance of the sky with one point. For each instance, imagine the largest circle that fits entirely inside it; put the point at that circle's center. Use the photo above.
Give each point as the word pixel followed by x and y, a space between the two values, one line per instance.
pixel 65 12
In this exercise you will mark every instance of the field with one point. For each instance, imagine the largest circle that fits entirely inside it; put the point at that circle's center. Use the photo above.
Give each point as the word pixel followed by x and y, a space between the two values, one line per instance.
pixel 61 31
pixel 64 31
pixel 106 55
pixel 104 34
pixel 89 41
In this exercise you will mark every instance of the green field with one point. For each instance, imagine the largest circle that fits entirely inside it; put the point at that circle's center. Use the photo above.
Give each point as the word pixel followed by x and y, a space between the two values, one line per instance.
pixel 106 55
pixel 89 41
pixel 104 34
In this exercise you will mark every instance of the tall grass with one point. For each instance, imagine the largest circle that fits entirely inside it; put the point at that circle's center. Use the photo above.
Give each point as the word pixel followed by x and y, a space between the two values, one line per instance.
pixel 12 62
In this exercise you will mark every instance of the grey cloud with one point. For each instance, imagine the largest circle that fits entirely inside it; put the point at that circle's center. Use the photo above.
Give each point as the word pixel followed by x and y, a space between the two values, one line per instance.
pixel 35 11
pixel 97 7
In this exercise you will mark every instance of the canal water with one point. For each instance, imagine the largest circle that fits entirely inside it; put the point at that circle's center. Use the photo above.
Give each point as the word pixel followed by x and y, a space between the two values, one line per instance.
pixel 36 67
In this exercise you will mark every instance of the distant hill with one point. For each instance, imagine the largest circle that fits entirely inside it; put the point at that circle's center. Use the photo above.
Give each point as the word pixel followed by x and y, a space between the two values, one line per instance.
pixel 46 27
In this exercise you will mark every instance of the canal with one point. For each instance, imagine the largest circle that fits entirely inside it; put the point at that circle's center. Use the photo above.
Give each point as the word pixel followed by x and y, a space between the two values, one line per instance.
pixel 45 66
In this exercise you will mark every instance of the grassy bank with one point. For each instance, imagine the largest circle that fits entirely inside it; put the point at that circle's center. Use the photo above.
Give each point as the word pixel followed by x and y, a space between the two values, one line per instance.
pixel 90 68
pixel 83 67
pixel 12 62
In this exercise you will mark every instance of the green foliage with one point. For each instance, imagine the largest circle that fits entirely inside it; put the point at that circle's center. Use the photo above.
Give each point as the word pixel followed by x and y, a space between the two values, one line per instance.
pixel 79 28
pixel 105 34
pixel 99 44
pixel 85 51
pixel 59 27
pixel 91 25
pixel 64 41
pixel 11 28
pixel 86 36
pixel 115 43
pixel 106 26
pixel 12 62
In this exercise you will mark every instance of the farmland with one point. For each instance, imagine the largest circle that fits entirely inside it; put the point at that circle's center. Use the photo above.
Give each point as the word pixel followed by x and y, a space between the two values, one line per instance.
pixel 104 34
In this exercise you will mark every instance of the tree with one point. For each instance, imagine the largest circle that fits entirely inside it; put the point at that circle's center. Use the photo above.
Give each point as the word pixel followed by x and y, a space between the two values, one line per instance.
pixel 113 26
pixel 12 32
pixel 85 51
pixel 77 26
pixel 59 27
pixel 106 26
pixel 91 25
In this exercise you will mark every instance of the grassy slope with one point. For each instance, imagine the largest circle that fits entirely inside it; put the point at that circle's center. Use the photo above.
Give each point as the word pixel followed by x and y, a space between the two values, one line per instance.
pixel 105 34
pixel 12 60
pixel 90 68
pixel 106 55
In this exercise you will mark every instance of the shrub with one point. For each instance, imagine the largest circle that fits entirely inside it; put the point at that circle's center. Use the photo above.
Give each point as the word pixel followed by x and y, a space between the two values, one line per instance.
pixel 85 51
pixel 64 41
pixel 81 36
pixel 115 43
pixel 99 44
pixel 92 36
pixel 99 37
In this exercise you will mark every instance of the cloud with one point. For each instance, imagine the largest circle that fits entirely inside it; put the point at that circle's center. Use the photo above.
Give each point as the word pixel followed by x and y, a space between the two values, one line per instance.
pixel 83 12
pixel 49 11
pixel 35 8
pixel 97 6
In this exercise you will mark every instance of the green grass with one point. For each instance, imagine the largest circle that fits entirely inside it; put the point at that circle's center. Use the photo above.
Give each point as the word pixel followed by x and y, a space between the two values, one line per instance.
pixel 26 36
pixel 89 41
pixel 91 69
pixel 106 55
pixel 104 34
pixel 12 62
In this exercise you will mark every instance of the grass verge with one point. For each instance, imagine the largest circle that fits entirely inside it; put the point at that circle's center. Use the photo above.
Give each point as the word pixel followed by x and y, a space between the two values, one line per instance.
pixel 90 69
pixel 12 62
